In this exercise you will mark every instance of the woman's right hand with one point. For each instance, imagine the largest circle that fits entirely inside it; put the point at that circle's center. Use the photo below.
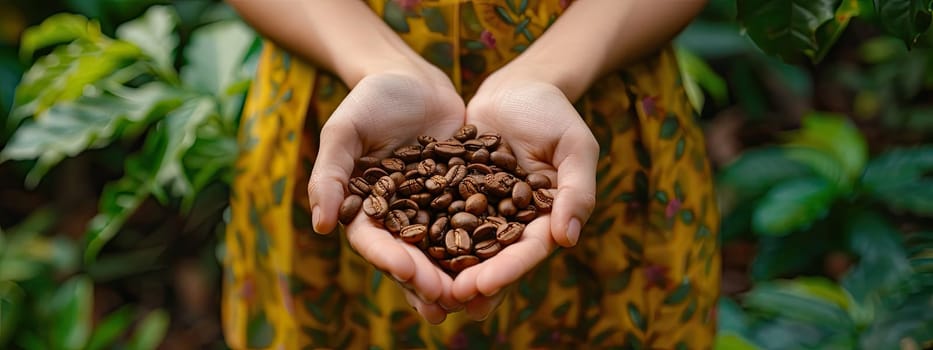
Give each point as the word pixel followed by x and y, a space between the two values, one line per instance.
pixel 385 110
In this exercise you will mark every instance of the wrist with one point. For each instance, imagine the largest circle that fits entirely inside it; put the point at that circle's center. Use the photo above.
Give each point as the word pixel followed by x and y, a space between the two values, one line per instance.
pixel 570 77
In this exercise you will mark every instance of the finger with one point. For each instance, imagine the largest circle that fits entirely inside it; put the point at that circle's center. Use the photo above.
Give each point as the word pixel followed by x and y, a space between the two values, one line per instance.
pixel 432 313
pixel 464 286
pixel 447 300
pixel 514 261
pixel 482 306
pixel 380 249
pixel 332 168
pixel 575 159
pixel 426 282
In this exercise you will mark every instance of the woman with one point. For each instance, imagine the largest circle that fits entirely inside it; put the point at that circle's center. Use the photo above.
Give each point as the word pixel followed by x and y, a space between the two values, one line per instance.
pixel 586 92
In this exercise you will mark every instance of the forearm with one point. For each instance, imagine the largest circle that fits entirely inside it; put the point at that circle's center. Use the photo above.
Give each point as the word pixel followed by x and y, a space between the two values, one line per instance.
pixel 594 37
pixel 342 36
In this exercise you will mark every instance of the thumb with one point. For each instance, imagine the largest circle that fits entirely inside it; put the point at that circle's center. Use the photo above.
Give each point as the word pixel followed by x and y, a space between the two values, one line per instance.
pixel 575 159
pixel 331 172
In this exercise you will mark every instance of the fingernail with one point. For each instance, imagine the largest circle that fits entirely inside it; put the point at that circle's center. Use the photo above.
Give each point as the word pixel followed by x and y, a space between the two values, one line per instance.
pixel 492 293
pixel 397 278
pixel 573 231
pixel 315 218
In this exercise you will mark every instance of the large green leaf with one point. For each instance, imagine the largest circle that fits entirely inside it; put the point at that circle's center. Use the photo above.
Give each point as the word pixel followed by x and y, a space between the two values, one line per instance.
pixel 905 19
pixel 829 32
pixel 882 259
pixel 836 136
pixel 70 314
pixel 110 329
pixel 793 205
pixel 70 128
pixel 909 322
pixel 215 55
pixel 786 28
pixel 901 178
pixel 154 34
pixel 175 135
pixel 150 332
pixel 811 300
pixel 117 202
pixel 58 29
pixel 758 170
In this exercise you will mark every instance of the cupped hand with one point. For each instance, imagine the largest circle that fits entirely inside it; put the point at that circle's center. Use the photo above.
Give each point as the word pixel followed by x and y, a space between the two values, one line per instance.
pixel 382 112
pixel 549 137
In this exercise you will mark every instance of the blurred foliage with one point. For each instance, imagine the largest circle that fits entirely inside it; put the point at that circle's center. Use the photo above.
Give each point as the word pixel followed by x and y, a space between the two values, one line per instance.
pixel 829 177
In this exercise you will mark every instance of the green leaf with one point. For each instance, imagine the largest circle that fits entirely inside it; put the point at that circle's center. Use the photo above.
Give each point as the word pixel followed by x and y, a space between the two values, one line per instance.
pixel 636 316
pixel 434 19
pixel 118 201
pixel 214 56
pixel 793 205
pixel 785 28
pixel 811 300
pixel 58 29
pixel 830 31
pixel 11 309
pixel 730 316
pixel 669 127
pixel 150 332
pixel 696 74
pixel 837 137
pixel 901 178
pixel 758 170
pixel 732 341
pixel 110 329
pixel 170 141
pixel 70 311
pixel 154 34
pixel 905 19
pixel 882 258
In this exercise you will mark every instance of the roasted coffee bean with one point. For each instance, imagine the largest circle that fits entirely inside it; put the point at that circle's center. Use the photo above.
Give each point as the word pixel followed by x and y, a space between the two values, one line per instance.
pixel 384 187
pixel 468 187
pixel 487 249
pixel 372 175
pixel 464 220
pixel 466 132
pixel 395 220
pixel 426 167
pixel 476 204
pixel 520 172
pixel 490 140
pixel 455 175
pixel 411 213
pixel 398 177
pixel 402 204
pixel 449 149
pixel 348 209
pixel 503 160
pixel 457 242
pixel 441 169
pixel 461 263
pixel 525 216
pixel 437 252
pixel 423 199
pixel 521 194
pixel 485 231
pixel 424 140
pixel 413 233
pixel 491 210
pixel 375 206
pixel 507 207
pixel 500 184
pixel 496 220
pixel 456 206
pixel 479 169
pixel 473 145
pixel 435 184
pixel 409 153
pixel 367 162
pixel 443 201
pixel 509 233
pixel 481 156
pixel 444 264
pixel 429 151
pixel 538 181
pixel 359 186
pixel 411 186
pixel 543 200
pixel 423 217
pixel 455 161
pixel 412 174
pixel 438 228
pixel 393 164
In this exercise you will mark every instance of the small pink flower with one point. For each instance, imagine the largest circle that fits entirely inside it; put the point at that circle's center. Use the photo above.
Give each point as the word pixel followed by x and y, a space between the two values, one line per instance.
pixel 408 5
pixel 672 208
pixel 487 39
pixel 649 104
pixel 656 276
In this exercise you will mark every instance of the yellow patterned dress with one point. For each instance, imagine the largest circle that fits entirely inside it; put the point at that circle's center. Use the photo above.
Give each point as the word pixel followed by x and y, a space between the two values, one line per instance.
pixel 645 274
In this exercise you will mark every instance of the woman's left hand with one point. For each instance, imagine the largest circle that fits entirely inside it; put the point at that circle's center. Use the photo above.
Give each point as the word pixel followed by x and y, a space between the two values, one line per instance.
pixel 548 137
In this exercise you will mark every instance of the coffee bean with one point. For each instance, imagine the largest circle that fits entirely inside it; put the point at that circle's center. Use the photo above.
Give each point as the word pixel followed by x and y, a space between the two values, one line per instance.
pixel 509 233
pixel 481 156
pixel 455 161
pixel 461 263
pixel 443 201
pixel 520 172
pixel 538 181
pixel 503 160
pixel 507 207
pixel 413 233
pixel 476 204
pixel 424 140
pixel 384 187
pixel 426 167
pixel 468 187
pixel 435 184
pixel 444 264
pixel 466 132
pixel 473 145
pixel 485 231
pixel 429 151
pixel 348 209
pixel 465 221
pixel 521 194
pixel 455 175
pixel 422 199
pixel 410 213
pixel 375 206
pixel 490 140
pixel 367 162
pixel 491 210
pixel 457 242
pixel 402 204
pixel 456 206
pixel 395 220
pixel 497 220
pixel 398 177
pixel 488 248
pixel 438 228
pixel 449 149
pixel 500 184
pixel 393 164
pixel 479 169
pixel 372 175
pixel 411 186
pixel 437 252
pixel 526 215
pixel 441 169
pixel 423 217
pixel 543 200
pixel 408 153
pixel 359 186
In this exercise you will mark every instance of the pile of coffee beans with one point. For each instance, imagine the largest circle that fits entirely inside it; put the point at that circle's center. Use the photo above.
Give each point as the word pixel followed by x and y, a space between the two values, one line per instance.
pixel 460 200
